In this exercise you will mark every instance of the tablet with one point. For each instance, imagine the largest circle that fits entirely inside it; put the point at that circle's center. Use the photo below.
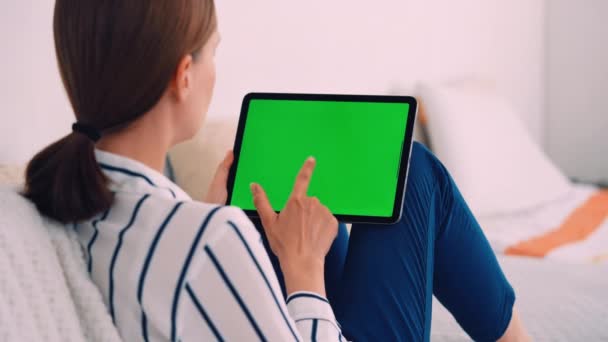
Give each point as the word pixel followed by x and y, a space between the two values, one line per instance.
pixel 362 146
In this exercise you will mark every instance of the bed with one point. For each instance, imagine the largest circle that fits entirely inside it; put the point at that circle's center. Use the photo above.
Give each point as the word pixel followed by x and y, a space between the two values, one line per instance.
pixel 557 301
pixel 550 235
pixel 555 258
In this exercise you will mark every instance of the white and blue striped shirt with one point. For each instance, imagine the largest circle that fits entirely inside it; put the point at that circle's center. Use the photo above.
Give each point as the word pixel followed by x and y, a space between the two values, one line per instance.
pixel 170 268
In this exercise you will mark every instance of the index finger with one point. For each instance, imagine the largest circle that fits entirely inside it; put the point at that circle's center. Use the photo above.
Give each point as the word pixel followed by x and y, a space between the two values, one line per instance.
pixel 262 205
pixel 303 179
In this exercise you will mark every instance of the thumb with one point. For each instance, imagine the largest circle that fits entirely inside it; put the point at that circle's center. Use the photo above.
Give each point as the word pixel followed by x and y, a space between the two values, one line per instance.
pixel 224 168
pixel 216 192
pixel 260 200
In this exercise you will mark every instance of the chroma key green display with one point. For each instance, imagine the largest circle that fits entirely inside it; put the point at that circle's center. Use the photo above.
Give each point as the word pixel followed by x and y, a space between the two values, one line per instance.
pixel 357 146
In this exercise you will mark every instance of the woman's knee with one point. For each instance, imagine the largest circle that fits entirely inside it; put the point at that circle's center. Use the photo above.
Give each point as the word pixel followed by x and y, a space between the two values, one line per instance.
pixel 425 174
pixel 424 166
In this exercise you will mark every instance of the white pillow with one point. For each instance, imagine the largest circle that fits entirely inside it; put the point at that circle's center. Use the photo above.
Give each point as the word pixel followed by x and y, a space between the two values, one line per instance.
pixel 490 154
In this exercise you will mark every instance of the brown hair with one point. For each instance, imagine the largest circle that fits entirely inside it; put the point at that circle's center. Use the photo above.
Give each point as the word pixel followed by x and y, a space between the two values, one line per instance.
pixel 116 59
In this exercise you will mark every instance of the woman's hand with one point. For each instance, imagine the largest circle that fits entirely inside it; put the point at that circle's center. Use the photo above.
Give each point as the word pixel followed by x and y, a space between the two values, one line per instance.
pixel 301 235
pixel 217 192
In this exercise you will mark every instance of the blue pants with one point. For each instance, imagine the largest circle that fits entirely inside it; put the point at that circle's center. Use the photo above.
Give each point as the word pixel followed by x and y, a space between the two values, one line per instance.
pixel 380 281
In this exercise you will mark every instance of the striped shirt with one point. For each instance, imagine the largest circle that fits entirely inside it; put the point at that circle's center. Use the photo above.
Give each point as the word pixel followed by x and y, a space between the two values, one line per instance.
pixel 170 268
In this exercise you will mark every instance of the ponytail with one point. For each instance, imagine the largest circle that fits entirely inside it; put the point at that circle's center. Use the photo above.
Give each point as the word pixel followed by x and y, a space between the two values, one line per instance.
pixel 105 50
pixel 65 181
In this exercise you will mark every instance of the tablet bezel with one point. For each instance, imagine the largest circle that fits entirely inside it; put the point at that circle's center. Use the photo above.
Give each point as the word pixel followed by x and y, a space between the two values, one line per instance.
pixel 406 149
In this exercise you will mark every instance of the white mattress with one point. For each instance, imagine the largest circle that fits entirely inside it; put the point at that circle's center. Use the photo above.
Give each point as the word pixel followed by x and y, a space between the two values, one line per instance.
pixel 557 301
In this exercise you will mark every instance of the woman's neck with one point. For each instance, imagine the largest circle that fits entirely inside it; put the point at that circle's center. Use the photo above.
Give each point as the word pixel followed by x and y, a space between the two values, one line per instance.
pixel 146 140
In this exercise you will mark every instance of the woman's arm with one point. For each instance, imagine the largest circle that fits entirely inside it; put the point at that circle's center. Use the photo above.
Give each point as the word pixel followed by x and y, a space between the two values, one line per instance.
pixel 300 235
pixel 239 298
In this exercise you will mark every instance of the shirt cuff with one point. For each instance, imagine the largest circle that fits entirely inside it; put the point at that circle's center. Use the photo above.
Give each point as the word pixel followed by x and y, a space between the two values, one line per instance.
pixel 309 305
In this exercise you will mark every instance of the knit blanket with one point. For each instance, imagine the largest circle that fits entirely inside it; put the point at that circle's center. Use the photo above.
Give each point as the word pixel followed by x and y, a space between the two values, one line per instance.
pixel 46 293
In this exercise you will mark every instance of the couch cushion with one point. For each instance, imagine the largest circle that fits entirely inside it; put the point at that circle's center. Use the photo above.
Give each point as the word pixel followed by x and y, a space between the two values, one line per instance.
pixel 195 161
pixel 11 174
pixel 45 291
pixel 34 297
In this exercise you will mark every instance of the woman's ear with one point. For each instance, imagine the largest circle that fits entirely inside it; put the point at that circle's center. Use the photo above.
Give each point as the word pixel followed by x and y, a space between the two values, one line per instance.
pixel 182 80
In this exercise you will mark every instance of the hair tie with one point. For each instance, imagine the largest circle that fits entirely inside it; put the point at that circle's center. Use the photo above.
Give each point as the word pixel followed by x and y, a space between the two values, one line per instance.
pixel 90 132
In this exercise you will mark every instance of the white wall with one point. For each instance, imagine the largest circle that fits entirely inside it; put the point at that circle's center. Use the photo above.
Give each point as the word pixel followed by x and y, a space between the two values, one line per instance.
pixel 33 108
pixel 343 46
pixel 370 47
pixel 577 80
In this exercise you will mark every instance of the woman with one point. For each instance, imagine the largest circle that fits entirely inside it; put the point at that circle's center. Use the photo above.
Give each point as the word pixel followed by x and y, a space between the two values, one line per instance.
pixel 140 75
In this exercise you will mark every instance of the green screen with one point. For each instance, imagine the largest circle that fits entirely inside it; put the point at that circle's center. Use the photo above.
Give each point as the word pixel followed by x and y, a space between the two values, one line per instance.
pixel 357 146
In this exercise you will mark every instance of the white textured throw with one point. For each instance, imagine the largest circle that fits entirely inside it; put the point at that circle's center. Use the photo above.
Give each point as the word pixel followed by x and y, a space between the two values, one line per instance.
pixel 45 291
